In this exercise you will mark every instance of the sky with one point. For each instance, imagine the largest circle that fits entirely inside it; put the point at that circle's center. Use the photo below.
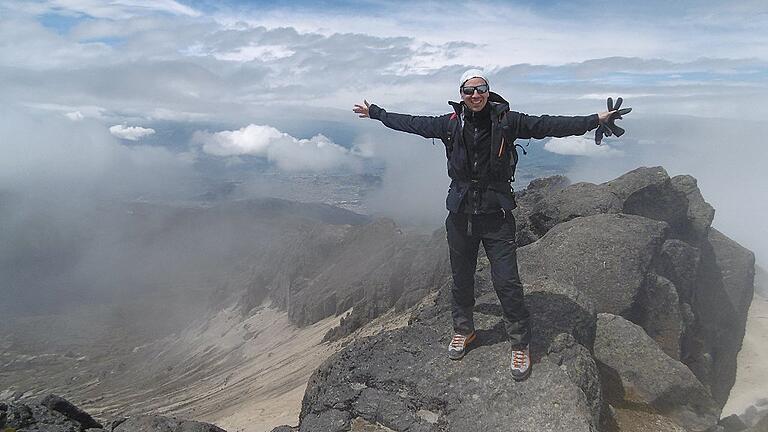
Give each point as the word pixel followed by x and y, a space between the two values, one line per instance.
pixel 126 99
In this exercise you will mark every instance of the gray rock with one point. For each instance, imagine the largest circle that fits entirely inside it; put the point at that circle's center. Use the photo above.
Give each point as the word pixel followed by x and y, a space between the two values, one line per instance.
pixel 635 372
pixel 700 213
pixel 737 267
pixel 319 272
pixel 732 423
pixel 36 417
pixel 153 423
pixel 724 289
pixel 679 262
pixel 403 380
pixel 649 192
pixel 528 201
pixel 761 425
pixel 577 200
pixel 605 256
pixel 761 281
pixel 63 406
pixel 581 368
pixel 660 314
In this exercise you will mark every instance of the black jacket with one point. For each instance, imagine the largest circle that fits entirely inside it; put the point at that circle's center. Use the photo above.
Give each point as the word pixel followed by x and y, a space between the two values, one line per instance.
pixel 493 193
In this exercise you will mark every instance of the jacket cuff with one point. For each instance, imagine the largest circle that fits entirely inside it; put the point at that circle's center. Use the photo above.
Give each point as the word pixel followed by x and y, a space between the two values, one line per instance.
pixel 374 112
pixel 594 121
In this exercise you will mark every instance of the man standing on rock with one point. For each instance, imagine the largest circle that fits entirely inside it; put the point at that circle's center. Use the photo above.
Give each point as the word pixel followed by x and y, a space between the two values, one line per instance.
pixel 479 142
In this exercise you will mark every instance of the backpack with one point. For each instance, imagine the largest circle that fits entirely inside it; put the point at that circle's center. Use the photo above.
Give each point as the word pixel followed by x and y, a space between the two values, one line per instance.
pixel 505 138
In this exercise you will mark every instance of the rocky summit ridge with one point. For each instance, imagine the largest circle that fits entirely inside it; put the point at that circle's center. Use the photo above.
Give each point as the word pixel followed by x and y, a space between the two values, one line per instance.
pixel 639 309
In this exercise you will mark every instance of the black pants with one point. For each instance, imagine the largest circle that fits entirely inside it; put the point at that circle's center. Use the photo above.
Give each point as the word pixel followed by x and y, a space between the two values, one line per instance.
pixel 497 233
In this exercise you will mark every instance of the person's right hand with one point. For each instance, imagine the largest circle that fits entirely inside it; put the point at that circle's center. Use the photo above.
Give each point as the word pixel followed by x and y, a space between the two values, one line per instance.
pixel 362 110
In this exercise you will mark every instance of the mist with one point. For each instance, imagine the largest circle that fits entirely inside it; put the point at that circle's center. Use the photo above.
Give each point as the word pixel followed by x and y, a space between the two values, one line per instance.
pixel 727 158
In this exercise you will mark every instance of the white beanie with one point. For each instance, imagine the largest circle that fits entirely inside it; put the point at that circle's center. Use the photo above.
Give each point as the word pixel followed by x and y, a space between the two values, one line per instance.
pixel 472 73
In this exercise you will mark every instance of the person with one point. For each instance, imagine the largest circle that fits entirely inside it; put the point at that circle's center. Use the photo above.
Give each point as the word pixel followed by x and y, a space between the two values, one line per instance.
pixel 479 139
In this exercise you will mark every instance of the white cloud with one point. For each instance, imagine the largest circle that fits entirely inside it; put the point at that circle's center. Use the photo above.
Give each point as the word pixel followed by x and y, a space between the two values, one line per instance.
pixel 580 146
pixel 119 9
pixel 249 53
pixel 288 153
pixel 132 133
pixel 75 115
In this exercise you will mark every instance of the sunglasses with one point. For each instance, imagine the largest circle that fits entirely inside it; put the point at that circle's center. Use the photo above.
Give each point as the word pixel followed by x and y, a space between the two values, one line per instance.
pixel 470 90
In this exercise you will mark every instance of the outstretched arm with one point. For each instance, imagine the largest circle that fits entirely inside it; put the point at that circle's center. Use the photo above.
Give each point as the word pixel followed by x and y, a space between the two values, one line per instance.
pixel 555 126
pixel 426 126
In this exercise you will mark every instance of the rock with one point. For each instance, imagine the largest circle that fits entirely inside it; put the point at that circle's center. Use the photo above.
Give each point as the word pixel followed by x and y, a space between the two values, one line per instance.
pixel 700 213
pixel 761 425
pixel 558 309
pixel 319 273
pixel 70 411
pixel 660 314
pixel 528 201
pixel 33 416
pixel 723 294
pixel 649 192
pixel 737 267
pixel 629 420
pixel 581 368
pixel 635 373
pixel 605 256
pixel 402 379
pixel 679 262
pixel 732 423
pixel 761 281
pixel 153 423
pixel 285 428
pixel 577 200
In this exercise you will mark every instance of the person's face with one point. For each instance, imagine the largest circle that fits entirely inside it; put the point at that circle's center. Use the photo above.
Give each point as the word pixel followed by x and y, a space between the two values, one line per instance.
pixel 476 101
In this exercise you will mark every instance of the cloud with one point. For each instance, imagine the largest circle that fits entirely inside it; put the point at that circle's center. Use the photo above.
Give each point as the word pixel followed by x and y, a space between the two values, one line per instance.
pixel 131 133
pixel 75 115
pixel 117 9
pixel 580 146
pixel 288 153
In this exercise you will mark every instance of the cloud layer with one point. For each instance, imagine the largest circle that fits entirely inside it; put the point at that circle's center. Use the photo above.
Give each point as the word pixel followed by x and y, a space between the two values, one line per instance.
pixel 580 146
pixel 288 153
pixel 130 133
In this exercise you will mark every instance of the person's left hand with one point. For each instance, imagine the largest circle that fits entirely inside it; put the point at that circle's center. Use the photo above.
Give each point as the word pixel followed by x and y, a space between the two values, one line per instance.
pixel 607 120
pixel 605 116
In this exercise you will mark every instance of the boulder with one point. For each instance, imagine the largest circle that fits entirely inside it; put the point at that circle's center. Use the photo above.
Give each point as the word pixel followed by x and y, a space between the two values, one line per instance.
pixel 679 262
pixel 635 373
pixel 629 420
pixel 528 201
pixel 660 314
pixel 724 290
pixel 49 414
pixel 761 425
pixel 605 256
pixel 649 192
pixel 63 406
pixel 761 281
pixel 402 380
pixel 700 213
pixel 154 423
pixel 737 267
pixel 577 200
pixel 732 423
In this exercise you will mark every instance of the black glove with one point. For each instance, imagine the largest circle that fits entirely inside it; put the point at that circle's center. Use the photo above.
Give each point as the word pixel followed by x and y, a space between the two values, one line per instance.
pixel 609 128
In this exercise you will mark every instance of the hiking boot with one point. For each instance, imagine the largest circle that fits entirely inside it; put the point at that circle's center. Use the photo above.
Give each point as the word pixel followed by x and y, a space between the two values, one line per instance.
pixel 521 362
pixel 458 346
